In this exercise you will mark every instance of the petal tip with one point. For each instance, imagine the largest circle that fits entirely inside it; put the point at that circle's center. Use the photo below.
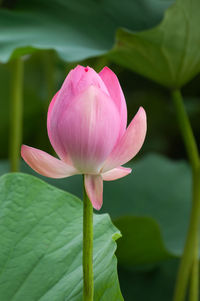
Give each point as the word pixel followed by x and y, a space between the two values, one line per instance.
pixel 116 173
pixel 97 206
pixel 141 116
pixel 94 190
pixel 23 149
pixel 142 112
pixel 106 72
pixel 106 69
pixel 129 170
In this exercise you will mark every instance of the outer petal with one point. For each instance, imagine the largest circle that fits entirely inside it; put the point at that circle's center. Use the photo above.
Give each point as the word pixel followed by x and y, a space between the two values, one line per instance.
pixel 94 189
pixel 46 164
pixel 130 143
pixel 116 173
pixel 54 139
pixel 112 84
pixel 89 129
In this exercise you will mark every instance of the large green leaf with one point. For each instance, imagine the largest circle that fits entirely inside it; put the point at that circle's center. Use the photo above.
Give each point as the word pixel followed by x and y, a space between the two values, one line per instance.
pixel 168 53
pixel 142 241
pixel 75 29
pixel 151 207
pixel 41 244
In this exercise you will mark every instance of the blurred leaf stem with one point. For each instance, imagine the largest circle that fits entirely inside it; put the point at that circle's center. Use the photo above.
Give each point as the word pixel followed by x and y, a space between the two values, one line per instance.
pixel 88 282
pixel 16 112
pixel 189 260
pixel 194 291
pixel 49 70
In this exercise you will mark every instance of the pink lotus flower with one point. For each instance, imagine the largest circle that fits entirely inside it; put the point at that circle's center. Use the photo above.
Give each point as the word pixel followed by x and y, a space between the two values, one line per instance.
pixel 86 124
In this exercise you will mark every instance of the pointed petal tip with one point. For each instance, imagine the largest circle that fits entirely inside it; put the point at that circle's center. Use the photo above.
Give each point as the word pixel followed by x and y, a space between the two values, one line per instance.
pixel 142 111
pixel 23 150
pixel 128 171
pixel 116 173
pixel 105 68
pixel 130 143
pixel 141 114
pixel 94 190
pixel 22 147
pixel 97 206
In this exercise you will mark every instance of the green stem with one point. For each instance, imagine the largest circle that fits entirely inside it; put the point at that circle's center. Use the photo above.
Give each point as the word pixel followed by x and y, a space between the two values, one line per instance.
pixel 16 112
pixel 49 71
pixel 187 261
pixel 88 285
pixel 194 287
pixel 186 129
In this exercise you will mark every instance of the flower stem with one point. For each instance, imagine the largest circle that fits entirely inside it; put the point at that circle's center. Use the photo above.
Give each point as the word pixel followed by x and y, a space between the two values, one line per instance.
pixel 88 285
pixel 188 263
pixel 16 112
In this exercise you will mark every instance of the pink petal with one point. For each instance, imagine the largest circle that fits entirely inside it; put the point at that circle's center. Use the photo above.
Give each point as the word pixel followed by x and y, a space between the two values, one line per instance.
pixel 89 129
pixel 112 84
pixel 94 189
pixel 56 143
pixel 77 81
pixel 130 143
pixel 46 164
pixel 116 173
pixel 80 79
